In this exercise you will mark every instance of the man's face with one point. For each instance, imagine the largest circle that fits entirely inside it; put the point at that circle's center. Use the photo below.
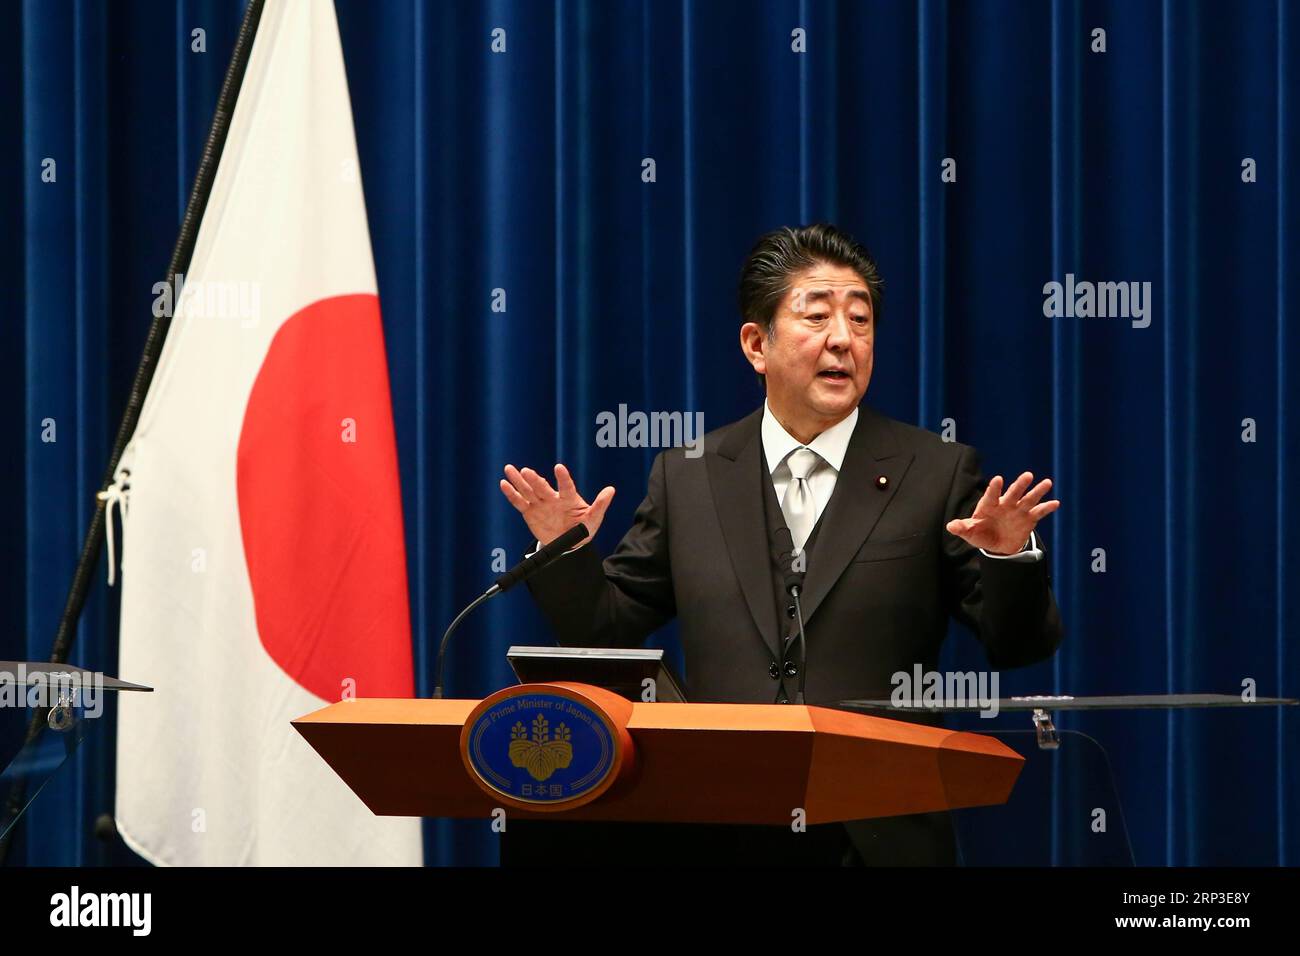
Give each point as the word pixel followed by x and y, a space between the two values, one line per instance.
pixel 818 359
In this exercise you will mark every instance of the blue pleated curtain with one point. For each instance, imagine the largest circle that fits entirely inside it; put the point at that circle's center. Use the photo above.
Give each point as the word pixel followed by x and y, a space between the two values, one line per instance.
pixel 524 171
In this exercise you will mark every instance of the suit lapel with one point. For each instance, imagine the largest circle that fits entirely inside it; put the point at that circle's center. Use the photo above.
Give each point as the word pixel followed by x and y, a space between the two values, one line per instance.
pixel 735 479
pixel 855 505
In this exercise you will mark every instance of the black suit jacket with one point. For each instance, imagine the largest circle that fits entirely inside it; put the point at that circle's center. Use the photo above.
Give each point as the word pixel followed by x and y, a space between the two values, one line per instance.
pixel 882 580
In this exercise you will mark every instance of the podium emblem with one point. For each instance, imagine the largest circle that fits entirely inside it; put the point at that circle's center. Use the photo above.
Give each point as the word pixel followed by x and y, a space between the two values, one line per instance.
pixel 539 754
pixel 541 746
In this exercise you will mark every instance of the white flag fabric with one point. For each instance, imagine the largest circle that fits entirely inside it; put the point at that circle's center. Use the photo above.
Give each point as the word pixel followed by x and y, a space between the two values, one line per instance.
pixel 263 566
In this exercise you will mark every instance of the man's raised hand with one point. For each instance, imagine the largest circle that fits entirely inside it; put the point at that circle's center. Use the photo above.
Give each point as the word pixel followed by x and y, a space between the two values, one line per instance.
pixel 549 512
pixel 1002 520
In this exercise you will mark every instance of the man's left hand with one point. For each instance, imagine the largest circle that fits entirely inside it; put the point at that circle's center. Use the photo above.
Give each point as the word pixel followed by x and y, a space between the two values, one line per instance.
pixel 1002 520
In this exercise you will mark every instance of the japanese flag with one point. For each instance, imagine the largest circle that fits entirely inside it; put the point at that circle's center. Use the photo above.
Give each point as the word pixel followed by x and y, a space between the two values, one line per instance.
pixel 263 571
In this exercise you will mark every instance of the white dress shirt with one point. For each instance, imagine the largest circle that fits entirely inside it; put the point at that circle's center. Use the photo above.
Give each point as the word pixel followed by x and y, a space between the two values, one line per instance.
pixel 831 445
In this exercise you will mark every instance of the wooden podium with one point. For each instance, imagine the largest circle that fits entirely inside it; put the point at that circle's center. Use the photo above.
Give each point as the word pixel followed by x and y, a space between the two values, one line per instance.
pixel 585 753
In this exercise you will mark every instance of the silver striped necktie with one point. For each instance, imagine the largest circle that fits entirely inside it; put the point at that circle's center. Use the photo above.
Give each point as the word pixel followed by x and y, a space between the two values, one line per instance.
pixel 798 505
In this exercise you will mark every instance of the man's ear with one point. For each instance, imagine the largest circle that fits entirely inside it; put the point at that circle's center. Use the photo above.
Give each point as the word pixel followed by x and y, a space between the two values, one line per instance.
pixel 753 342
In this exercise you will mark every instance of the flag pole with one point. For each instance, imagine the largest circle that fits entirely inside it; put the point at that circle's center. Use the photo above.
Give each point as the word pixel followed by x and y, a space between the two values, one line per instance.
pixel 182 252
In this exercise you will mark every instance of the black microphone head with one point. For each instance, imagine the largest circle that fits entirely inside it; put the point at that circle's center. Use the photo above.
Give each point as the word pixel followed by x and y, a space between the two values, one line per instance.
pixel 544 555
pixel 783 554
pixel 782 547
pixel 570 538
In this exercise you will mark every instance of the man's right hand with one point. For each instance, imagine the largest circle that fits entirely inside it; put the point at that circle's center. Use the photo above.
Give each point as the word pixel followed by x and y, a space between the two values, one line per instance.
pixel 548 512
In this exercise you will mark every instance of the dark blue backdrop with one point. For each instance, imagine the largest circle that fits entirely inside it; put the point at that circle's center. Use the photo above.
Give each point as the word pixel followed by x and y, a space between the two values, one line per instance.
pixel 522 171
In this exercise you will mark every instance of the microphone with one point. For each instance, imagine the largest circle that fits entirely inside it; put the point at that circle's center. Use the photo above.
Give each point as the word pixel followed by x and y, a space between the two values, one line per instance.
pixel 792 581
pixel 530 565
pixel 522 571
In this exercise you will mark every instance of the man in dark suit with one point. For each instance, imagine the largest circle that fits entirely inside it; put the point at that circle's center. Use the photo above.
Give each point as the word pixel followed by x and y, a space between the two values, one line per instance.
pixel 894 525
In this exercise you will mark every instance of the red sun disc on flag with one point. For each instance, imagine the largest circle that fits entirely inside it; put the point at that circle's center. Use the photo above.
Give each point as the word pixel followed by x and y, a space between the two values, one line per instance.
pixel 320 505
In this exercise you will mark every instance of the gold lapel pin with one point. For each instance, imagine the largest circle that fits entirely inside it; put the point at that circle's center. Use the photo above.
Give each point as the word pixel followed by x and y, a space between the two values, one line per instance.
pixel 882 482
